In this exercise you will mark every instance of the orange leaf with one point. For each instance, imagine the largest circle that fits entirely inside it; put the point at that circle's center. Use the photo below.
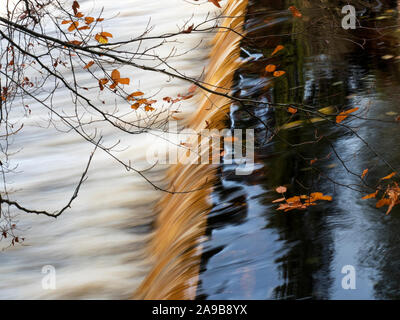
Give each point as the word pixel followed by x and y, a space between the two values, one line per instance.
pixel 148 108
pixel 369 196
pixel 383 202
pixel 135 106
pixel 364 173
pixel 66 21
pixel 89 20
pixel 89 65
pixel 73 26
pixel 84 28
pixel 270 68
pixel 79 15
pixel 106 34
pixel 135 94
pixel 295 12
pixel 279 73
pixel 115 75
pixel 124 81
pixel 313 161
pixel 281 189
pixel 389 176
pixel 343 115
pixel 277 49
pixel 292 110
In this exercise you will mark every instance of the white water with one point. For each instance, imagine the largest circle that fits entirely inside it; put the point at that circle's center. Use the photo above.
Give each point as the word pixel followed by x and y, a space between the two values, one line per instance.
pixel 97 247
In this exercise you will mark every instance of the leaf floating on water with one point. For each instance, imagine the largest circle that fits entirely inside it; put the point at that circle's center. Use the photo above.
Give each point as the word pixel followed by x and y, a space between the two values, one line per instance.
pixel 370 196
pixel 279 73
pixel 364 173
pixel 277 49
pixel 270 68
pixel 295 12
pixel 343 115
pixel 389 176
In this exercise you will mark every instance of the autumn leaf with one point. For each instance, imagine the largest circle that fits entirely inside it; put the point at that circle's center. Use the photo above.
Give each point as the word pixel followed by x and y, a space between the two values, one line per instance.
pixel 295 12
pixel 270 68
pixel 102 82
pixel 75 42
pixel 89 65
pixel 66 21
pixel 343 115
pixel 364 173
pixel 370 196
pixel 102 37
pixel 73 26
pixel 89 20
pixel 135 106
pixel 292 110
pixel 75 7
pixel 216 2
pixel 389 176
pixel 189 29
pixel 148 108
pixel 134 94
pixel 382 202
pixel 116 77
pixel 277 49
pixel 279 73
pixel 281 189
pixel 84 28
pixel 79 15
pixel 313 161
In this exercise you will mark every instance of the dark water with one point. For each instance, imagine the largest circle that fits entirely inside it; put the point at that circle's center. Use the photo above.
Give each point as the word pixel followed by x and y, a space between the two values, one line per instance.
pixel 254 251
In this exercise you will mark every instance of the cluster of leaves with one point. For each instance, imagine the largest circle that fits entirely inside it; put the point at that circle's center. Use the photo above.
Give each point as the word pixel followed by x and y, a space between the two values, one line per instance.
pixel 301 202
pixel 390 193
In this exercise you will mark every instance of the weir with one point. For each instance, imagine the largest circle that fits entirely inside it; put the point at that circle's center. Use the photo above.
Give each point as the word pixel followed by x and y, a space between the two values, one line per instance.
pixel 175 248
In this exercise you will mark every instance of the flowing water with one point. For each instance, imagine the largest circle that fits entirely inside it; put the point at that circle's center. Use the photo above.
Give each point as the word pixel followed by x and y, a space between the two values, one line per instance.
pixel 98 246
pixel 253 251
pixel 228 241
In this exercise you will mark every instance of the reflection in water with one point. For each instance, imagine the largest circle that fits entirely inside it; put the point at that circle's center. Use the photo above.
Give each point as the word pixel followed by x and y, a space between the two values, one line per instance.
pixel 254 251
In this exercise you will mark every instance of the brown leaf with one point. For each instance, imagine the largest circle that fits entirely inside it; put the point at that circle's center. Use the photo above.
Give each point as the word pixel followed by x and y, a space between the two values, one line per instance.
pixel 75 7
pixel 216 2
